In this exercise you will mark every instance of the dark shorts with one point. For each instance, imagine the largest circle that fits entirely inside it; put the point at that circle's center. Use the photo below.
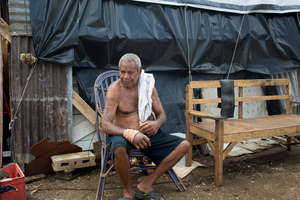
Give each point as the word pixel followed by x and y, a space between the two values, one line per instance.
pixel 161 145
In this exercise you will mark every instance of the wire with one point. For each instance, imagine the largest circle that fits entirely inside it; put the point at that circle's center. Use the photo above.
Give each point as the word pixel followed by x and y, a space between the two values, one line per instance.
pixel 11 123
pixel 236 44
pixel 7 107
pixel 187 42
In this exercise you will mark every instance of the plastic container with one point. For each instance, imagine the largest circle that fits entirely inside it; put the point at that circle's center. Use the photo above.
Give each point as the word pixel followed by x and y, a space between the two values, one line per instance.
pixel 16 180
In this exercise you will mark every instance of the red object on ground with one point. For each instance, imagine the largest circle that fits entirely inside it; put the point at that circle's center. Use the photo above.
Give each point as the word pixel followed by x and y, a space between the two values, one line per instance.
pixel 16 180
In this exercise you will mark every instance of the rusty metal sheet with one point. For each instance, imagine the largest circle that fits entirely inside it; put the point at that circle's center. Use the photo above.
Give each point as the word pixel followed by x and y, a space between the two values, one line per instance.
pixel 1 101
pixel 19 17
pixel 45 111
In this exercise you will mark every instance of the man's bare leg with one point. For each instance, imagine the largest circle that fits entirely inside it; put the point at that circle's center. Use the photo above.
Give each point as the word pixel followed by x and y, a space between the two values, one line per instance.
pixel 147 184
pixel 122 165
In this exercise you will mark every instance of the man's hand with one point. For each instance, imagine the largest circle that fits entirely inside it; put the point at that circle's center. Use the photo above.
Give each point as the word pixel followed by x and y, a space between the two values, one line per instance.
pixel 141 141
pixel 149 127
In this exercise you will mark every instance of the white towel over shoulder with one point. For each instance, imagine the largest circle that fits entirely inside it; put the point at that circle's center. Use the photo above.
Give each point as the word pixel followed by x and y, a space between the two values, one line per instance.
pixel 145 88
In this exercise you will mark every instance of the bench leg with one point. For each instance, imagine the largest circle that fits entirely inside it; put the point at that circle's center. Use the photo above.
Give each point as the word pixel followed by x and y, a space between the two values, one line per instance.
pixel 218 166
pixel 288 143
pixel 219 142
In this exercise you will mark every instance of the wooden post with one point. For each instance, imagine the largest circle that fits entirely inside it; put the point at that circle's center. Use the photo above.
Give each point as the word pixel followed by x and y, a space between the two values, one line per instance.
pixel 219 142
pixel 188 121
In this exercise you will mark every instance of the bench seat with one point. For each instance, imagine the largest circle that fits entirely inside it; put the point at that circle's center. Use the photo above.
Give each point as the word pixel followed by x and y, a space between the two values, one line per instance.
pixel 250 128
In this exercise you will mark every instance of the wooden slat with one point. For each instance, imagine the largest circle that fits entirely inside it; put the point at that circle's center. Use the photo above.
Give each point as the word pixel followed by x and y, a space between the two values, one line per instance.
pixel 85 109
pixel 262 98
pixel 205 84
pixel 260 82
pixel 240 106
pixel 5 30
pixel 199 141
pixel 240 83
pixel 241 99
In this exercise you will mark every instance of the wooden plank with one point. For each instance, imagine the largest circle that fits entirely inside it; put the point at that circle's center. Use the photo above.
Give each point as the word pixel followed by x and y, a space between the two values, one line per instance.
pixel 205 84
pixel 260 82
pixel 199 141
pixel 30 179
pixel 84 108
pixel 202 133
pixel 240 104
pixel 5 30
pixel 240 83
pixel 242 99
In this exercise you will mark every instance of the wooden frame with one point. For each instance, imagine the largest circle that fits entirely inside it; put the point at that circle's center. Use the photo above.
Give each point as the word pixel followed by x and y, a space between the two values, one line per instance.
pixel 220 131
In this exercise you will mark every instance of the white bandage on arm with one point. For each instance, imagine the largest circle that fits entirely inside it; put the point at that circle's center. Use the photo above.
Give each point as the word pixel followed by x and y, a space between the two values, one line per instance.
pixel 129 134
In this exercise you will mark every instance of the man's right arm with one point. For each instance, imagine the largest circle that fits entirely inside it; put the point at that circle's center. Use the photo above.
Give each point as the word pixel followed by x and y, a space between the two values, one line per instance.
pixel 109 113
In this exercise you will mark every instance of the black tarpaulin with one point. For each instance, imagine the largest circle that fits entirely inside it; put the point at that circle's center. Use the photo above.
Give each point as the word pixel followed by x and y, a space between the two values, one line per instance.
pixel 92 35
pixel 167 38
pixel 236 6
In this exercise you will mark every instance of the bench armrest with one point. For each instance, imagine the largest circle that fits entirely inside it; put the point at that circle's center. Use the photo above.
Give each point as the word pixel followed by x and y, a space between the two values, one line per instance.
pixel 297 102
pixel 203 115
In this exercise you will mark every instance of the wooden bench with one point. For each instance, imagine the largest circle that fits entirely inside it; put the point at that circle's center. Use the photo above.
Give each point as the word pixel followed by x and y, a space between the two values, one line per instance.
pixel 218 131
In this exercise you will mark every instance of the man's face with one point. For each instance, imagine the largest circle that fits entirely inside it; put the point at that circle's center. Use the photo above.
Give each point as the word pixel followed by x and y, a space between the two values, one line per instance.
pixel 128 74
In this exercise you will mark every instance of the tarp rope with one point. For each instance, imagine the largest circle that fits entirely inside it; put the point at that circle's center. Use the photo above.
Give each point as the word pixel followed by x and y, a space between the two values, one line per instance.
pixel 236 44
pixel 11 123
pixel 187 43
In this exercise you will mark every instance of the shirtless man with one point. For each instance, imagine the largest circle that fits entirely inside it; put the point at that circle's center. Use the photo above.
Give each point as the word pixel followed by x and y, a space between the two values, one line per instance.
pixel 121 117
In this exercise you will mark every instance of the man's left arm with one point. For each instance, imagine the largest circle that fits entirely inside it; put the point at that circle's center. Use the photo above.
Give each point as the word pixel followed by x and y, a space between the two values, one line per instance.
pixel 151 127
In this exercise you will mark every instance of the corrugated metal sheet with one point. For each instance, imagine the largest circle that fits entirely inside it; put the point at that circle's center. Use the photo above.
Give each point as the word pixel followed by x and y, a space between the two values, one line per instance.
pixel 19 17
pixel 46 108
pixel 1 100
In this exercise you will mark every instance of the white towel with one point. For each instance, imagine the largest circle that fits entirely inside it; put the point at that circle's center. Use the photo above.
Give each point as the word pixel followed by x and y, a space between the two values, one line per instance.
pixel 145 88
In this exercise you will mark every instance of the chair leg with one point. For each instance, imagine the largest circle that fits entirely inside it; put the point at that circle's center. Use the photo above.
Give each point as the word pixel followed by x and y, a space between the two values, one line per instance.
pixel 103 174
pixel 179 184
pixel 100 189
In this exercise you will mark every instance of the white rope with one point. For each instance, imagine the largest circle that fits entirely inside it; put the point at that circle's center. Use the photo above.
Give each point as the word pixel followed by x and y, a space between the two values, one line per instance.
pixel 28 79
pixel 236 44
pixel 187 42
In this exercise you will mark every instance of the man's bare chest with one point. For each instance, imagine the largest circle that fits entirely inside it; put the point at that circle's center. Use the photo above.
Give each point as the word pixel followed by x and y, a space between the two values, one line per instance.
pixel 128 103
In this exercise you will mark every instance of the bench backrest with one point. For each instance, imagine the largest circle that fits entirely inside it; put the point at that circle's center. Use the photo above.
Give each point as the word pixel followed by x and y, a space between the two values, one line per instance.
pixel 240 84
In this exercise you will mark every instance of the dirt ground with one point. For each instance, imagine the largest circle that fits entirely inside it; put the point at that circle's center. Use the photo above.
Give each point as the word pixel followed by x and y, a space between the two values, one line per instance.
pixel 272 174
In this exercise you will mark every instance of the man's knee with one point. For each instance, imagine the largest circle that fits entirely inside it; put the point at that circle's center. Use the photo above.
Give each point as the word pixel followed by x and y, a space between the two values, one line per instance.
pixel 185 145
pixel 120 152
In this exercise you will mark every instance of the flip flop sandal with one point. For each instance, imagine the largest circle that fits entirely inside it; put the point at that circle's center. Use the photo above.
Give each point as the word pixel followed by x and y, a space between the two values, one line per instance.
pixel 147 196
pixel 125 198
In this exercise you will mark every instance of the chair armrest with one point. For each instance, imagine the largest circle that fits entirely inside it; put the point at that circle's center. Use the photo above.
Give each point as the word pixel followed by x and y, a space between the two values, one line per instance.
pixel 203 115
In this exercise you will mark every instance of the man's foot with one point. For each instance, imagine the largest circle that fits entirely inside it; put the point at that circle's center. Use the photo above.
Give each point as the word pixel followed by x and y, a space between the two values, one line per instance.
pixel 125 198
pixel 152 195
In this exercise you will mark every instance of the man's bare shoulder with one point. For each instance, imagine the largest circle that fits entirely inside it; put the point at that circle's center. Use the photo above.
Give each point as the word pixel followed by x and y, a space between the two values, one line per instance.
pixel 114 88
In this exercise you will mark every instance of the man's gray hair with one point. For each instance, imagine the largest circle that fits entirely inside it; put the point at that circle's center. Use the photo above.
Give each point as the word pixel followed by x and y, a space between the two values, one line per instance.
pixel 128 57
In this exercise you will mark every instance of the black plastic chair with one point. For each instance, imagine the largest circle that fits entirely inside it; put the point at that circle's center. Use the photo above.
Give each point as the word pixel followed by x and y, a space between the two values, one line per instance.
pixel 100 88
